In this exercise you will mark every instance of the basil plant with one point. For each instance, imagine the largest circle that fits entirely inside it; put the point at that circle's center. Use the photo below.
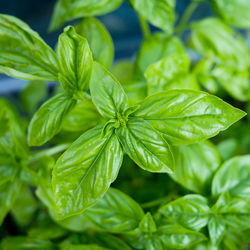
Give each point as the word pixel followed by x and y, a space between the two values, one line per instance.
pixel 127 154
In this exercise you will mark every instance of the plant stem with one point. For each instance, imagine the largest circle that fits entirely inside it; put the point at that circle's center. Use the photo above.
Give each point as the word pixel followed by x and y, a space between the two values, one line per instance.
pixel 48 152
pixel 185 17
pixel 160 201
pixel 144 26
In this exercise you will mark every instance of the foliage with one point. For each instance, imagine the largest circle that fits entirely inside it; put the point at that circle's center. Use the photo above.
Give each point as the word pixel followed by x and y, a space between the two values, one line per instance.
pixel 142 127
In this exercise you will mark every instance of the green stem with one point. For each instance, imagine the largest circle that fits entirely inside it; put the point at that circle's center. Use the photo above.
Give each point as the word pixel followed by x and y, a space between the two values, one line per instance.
pixel 183 24
pixel 160 201
pixel 48 152
pixel 144 26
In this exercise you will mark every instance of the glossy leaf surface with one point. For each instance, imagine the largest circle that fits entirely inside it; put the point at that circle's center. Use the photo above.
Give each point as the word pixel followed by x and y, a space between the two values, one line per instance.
pixel 24 54
pixel 187 117
pixel 99 40
pixel 146 147
pixel 47 121
pixel 83 174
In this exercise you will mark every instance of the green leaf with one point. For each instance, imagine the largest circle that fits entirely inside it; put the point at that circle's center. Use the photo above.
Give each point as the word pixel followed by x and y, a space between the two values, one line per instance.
pixel 146 147
pixel 23 54
pixel 107 93
pixel 234 12
pixel 8 169
pixel 83 174
pixel 24 207
pixel 147 224
pixel 190 211
pixel 233 177
pixel 82 117
pixel 160 13
pixel 155 48
pixel 185 117
pixel 32 95
pixel 170 73
pixel 115 212
pixel 12 137
pixel 81 246
pixel 99 39
pixel 67 10
pixel 9 191
pixel 23 243
pixel 217 230
pixel 47 121
pixel 177 237
pixel 195 166
pixel 75 61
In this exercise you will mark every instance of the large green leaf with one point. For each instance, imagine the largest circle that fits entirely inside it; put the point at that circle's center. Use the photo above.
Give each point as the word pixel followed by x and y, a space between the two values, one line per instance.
pixel 107 93
pixel 99 39
pixel 146 147
pixel 9 191
pixel 23 54
pixel 185 117
pixel 160 13
pixel 233 177
pixel 170 73
pixel 66 10
pixel 195 166
pixel 155 48
pixel 116 212
pixel 234 12
pixel 47 121
pixel 190 211
pixel 83 174
pixel 75 61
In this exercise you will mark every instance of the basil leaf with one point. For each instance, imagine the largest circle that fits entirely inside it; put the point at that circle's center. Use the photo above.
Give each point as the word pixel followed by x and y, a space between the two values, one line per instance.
pixel 81 246
pixel 82 117
pixel 99 39
pixel 123 70
pixel 24 207
pixel 48 119
pixel 190 211
pixel 23 243
pixel 160 13
pixel 147 224
pixel 67 10
pixel 235 13
pixel 228 212
pixel 177 237
pixel 33 94
pixel 146 147
pixel 107 93
pixel 8 169
pixel 8 194
pixel 75 61
pixel 12 137
pixel 169 73
pixel 187 117
pixel 83 174
pixel 115 212
pixel 195 166
pixel 23 53
pixel 155 48
pixel 233 177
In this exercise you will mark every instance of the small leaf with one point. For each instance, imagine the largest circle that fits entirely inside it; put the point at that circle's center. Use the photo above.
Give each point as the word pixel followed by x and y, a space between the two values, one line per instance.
pixel 67 10
pixel 24 54
pixel 107 93
pixel 146 147
pixel 160 13
pixel 83 174
pixel 75 61
pixel 190 211
pixel 187 117
pixel 147 224
pixel 195 166
pixel 99 39
pixel 47 121
pixel 115 212
pixel 233 177
pixel 34 93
